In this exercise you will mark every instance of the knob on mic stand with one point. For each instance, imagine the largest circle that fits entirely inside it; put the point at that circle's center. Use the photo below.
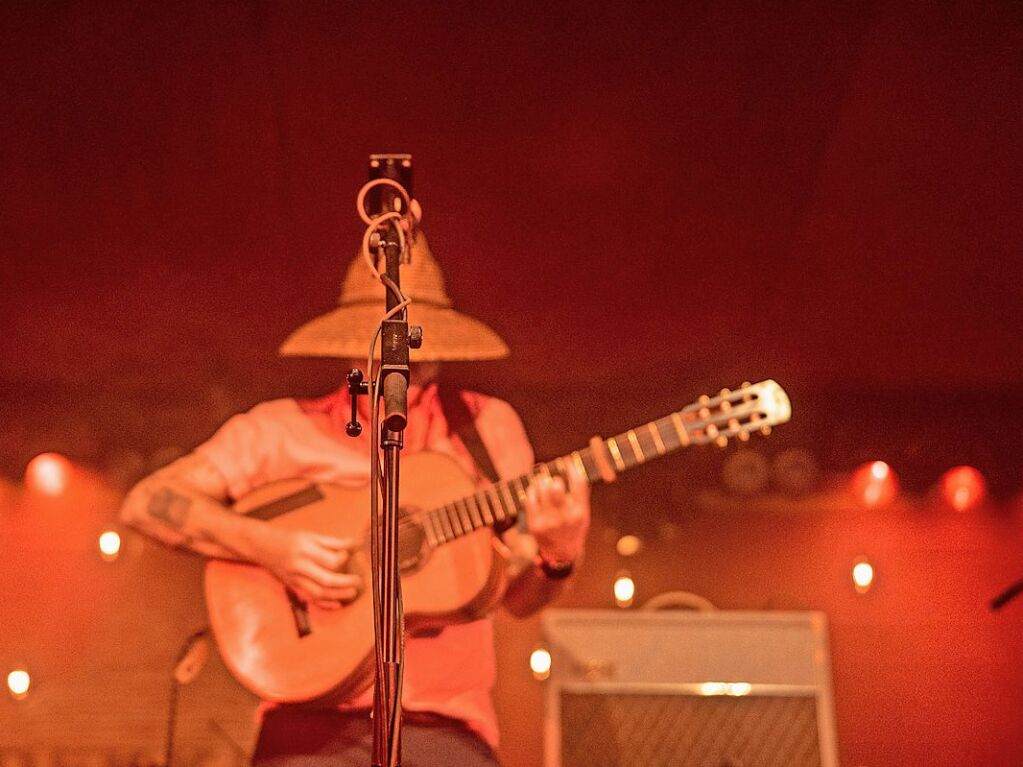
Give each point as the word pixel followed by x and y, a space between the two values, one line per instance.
pixel 356 388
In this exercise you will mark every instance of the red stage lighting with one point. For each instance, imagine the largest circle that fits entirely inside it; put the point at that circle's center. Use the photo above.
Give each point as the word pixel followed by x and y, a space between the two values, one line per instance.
pixel 48 473
pixel 964 487
pixel 875 484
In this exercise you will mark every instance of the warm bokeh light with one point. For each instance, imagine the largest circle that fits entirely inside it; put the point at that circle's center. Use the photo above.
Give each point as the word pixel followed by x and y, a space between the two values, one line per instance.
pixel 745 472
pixel 862 575
pixel 540 663
pixel 795 471
pixel 109 545
pixel 713 688
pixel 736 689
pixel 875 484
pixel 624 590
pixel 628 545
pixel 18 683
pixel 963 487
pixel 48 473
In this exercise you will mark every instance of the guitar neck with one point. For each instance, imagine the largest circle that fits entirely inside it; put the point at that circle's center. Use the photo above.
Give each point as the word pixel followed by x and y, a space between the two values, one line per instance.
pixel 749 409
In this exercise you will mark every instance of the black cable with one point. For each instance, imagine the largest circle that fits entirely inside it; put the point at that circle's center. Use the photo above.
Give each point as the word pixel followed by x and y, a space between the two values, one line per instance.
pixel 1010 593
pixel 172 705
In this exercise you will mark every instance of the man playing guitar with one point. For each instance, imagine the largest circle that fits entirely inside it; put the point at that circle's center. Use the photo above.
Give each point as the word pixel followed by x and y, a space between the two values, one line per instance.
pixel 449 670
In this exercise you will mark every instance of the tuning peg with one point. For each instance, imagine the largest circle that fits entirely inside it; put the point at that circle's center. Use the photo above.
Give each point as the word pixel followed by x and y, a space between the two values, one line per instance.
pixel 712 430
pixel 766 430
pixel 744 436
pixel 704 412
pixel 721 441
pixel 703 399
pixel 725 406
pixel 724 392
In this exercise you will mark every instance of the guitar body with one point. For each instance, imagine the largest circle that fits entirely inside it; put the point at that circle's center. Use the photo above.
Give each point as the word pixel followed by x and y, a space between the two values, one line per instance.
pixel 286 651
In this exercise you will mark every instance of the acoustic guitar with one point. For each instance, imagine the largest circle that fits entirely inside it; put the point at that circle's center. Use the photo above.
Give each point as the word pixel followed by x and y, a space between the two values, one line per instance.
pixel 285 650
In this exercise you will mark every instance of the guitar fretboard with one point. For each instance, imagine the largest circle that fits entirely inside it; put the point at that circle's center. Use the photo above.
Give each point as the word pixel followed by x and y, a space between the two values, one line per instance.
pixel 730 414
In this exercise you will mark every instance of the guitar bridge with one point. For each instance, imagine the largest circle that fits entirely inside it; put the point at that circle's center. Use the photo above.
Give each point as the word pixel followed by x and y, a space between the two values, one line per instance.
pixel 300 612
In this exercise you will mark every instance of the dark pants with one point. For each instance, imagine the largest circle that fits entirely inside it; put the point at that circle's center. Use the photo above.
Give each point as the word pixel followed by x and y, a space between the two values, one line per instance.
pixel 318 738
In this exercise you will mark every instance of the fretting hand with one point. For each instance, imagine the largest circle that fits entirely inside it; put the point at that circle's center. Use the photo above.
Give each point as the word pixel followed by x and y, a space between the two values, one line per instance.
pixel 558 517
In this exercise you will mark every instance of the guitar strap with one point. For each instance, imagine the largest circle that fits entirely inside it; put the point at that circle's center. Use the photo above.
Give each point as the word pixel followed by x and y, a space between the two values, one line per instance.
pixel 462 423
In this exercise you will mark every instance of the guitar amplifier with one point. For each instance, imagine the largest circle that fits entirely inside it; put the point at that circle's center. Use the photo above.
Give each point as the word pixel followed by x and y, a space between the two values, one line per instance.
pixel 707 689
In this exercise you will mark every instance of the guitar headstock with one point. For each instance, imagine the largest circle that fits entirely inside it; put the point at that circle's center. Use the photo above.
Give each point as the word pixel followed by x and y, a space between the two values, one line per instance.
pixel 736 414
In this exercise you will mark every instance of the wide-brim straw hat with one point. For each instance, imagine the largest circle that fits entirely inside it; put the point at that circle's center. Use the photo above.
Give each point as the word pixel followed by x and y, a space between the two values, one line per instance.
pixel 345 332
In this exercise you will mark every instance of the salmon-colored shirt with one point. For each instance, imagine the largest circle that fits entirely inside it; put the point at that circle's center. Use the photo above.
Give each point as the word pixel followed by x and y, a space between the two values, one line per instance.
pixel 450 674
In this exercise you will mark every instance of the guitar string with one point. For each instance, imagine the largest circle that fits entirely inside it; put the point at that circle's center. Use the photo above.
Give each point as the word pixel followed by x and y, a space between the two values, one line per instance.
pixel 414 519
pixel 410 519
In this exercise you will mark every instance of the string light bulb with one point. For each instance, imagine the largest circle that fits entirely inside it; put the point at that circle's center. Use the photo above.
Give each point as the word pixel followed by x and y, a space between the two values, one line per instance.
pixel 18 683
pixel 862 575
pixel 624 589
pixel 540 663
pixel 109 545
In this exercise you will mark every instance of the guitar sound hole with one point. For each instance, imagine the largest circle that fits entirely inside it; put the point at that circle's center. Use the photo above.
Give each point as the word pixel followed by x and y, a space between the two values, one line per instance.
pixel 411 540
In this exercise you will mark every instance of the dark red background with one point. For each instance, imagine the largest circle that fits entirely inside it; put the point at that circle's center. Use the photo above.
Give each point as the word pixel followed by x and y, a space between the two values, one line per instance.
pixel 646 200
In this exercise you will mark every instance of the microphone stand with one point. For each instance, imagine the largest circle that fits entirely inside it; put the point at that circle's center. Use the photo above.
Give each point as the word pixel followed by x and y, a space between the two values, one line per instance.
pixel 394 371
pixel 396 338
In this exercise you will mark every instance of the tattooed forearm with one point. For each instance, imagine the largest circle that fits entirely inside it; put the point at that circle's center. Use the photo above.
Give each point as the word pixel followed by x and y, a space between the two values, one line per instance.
pixel 170 507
